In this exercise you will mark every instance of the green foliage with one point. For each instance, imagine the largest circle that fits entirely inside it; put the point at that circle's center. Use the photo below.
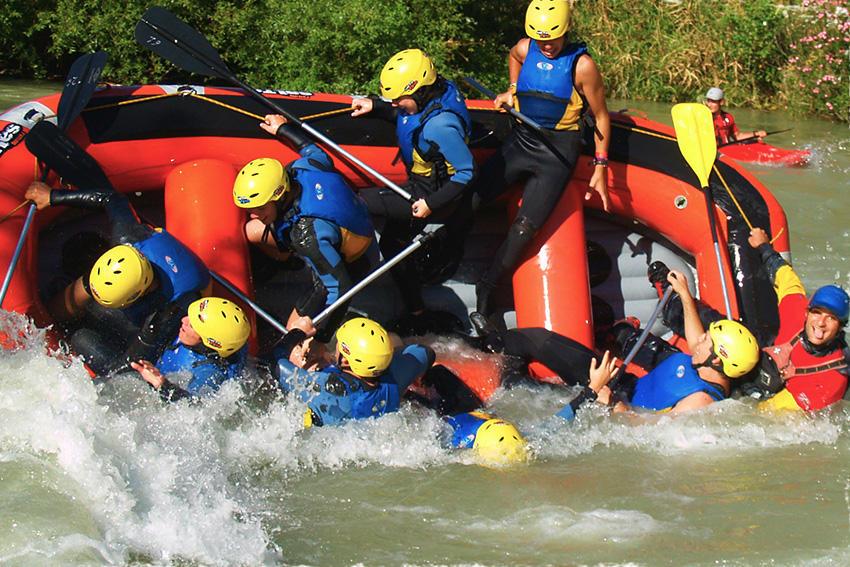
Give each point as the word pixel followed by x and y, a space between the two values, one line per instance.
pixel 22 44
pixel 760 53
pixel 816 77
pixel 657 50
pixel 756 41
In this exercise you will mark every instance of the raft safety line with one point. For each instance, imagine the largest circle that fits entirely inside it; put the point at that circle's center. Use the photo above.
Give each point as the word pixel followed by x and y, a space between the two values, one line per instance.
pixel 734 200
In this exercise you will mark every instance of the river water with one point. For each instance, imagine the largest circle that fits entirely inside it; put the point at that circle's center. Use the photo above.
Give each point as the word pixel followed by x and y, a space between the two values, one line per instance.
pixel 107 475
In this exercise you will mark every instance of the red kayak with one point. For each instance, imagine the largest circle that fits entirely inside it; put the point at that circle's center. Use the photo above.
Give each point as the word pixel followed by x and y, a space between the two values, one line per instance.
pixel 761 152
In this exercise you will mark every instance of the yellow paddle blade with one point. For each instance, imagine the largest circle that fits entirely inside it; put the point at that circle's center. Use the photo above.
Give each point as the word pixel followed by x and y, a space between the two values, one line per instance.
pixel 695 134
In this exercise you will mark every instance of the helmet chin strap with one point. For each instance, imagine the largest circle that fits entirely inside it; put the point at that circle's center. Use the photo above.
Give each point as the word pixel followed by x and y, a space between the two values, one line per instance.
pixel 709 364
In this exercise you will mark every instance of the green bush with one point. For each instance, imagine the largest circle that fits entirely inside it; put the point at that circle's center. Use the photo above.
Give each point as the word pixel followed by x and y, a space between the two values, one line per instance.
pixel 657 50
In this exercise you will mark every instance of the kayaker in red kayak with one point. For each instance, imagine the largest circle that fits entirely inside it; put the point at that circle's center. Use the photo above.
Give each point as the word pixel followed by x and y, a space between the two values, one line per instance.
pixel 725 129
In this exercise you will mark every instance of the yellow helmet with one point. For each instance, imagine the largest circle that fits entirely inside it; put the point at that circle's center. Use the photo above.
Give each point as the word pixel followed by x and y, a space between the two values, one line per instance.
pixel 406 72
pixel 222 324
pixel 120 276
pixel 548 19
pixel 259 182
pixel 366 345
pixel 499 442
pixel 735 345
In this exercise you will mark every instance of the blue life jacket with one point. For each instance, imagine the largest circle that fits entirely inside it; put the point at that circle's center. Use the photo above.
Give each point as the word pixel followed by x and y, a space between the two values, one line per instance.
pixel 180 270
pixel 420 160
pixel 335 396
pixel 209 371
pixel 325 195
pixel 670 382
pixel 465 428
pixel 545 88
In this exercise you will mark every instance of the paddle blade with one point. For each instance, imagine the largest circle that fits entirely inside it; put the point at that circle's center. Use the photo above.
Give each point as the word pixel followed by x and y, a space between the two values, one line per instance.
pixel 62 154
pixel 79 86
pixel 173 39
pixel 695 133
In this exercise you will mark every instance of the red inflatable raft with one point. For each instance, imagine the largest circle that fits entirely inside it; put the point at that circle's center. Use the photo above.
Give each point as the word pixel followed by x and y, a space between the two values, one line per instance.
pixel 177 150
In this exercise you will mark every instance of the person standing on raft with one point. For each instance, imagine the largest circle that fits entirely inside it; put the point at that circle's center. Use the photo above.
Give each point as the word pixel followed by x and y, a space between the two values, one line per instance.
pixel 308 208
pixel 148 274
pixel 553 82
pixel 211 346
pixel 433 126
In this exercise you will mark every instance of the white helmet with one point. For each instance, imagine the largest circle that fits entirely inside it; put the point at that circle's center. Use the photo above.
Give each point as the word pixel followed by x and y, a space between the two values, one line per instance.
pixel 714 93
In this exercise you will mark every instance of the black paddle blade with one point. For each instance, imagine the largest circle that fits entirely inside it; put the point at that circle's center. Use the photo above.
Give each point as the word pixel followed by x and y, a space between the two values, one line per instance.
pixel 173 39
pixel 62 154
pixel 79 86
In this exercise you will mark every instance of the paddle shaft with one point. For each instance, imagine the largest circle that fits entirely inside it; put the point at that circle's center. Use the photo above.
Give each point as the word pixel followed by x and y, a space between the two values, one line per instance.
pixel 222 71
pixel 541 132
pixel 373 276
pixel 511 110
pixel 642 339
pixel 709 201
pixel 752 139
pixel 257 309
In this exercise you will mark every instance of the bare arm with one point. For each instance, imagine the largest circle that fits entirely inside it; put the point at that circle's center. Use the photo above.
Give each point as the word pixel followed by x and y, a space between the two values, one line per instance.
pixel 694 401
pixel 70 303
pixel 515 60
pixel 589 84
pixel 693 325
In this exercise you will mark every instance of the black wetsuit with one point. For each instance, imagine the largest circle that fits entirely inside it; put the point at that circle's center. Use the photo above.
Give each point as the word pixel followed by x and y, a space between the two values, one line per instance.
pixel 545 166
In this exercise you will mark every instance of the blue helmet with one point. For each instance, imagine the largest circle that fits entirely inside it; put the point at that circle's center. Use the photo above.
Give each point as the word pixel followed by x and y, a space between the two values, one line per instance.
pixel 833 298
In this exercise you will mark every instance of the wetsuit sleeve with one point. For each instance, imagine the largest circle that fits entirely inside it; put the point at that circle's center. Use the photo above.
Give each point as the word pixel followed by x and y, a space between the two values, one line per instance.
pixel 569 411
pixel 445 132
pixel 383 110
pixel 289 341
pixel 409 363
pixel 785 279
pixel 170 392
pixel 295 135
pixel 158 332
pixel 123 222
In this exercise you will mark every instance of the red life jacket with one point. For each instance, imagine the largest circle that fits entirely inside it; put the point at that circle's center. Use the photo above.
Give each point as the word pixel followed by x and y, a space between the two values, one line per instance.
pixel 815 382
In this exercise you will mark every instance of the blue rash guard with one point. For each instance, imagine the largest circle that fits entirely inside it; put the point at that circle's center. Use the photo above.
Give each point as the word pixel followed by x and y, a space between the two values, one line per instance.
pixel 209 371
pixel 670 382
pixel 334 396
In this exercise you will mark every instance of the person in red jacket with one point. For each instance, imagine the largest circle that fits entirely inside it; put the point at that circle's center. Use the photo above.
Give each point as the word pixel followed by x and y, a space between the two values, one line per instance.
pixel 807 364
pixel 725 129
